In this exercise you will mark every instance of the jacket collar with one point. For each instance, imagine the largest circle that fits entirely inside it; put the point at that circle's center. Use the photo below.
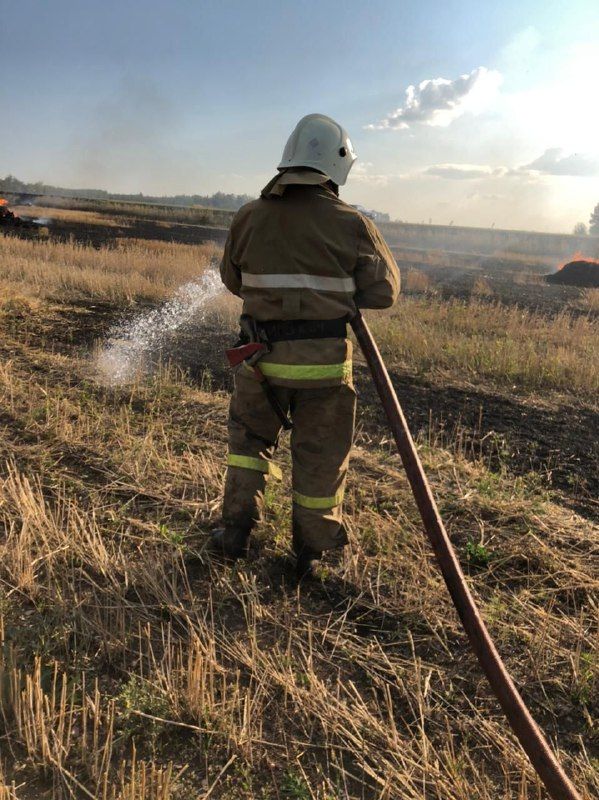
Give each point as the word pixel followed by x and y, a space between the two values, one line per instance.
pixel 277 185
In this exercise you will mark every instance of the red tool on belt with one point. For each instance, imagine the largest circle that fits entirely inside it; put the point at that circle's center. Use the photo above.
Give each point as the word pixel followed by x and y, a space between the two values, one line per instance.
pixel 251 353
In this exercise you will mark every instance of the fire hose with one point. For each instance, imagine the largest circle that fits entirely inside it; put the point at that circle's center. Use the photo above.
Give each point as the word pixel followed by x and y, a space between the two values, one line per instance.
pixel 530 736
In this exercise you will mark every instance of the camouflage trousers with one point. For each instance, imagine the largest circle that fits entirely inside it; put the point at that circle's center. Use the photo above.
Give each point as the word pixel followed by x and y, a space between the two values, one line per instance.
pixel 323 426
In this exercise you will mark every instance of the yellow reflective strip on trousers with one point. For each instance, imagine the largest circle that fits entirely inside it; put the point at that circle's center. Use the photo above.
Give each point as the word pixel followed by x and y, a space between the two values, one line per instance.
pixel 257 464
pixel 318 502
pixel 306 372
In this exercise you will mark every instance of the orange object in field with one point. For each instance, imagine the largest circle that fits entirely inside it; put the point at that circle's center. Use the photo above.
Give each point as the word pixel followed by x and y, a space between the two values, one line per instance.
pixel 3 202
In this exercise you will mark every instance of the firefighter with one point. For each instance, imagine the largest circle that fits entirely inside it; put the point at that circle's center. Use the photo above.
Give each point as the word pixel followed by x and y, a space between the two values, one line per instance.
pixel 302 261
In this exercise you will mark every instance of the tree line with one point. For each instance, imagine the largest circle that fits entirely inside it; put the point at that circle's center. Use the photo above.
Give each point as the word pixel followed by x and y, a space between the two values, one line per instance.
pixel 217 200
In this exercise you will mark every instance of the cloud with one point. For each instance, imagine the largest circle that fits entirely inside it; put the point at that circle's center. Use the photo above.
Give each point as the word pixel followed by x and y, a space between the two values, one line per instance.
pixel 438 101
pixel 554 162
pixel 463 171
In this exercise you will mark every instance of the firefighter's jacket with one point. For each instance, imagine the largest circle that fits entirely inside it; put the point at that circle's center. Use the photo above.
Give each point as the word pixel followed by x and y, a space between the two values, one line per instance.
pixel 298 252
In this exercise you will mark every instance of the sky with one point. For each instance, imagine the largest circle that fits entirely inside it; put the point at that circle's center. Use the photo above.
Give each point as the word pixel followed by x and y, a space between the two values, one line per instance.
pixel 466 112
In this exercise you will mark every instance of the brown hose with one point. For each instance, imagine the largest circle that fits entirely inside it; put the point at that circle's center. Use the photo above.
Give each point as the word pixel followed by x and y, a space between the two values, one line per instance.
pixel 532 740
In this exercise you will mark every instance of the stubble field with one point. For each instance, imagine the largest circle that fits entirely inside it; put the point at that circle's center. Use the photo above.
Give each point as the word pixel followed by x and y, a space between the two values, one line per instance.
pixel 135 667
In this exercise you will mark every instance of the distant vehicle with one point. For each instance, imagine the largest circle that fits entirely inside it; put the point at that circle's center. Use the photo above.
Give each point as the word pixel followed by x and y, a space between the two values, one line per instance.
pixel 375 216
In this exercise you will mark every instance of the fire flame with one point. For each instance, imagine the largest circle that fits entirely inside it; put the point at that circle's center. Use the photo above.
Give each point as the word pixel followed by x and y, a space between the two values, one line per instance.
pixel 578 256
pixel 3 202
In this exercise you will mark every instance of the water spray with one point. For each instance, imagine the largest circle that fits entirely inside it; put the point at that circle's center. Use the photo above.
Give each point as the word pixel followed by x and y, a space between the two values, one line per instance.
pixel 132 345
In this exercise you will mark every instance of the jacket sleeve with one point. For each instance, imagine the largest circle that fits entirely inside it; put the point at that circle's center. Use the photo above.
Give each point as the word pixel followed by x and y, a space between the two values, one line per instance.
pixel 376 274
pixel 229 272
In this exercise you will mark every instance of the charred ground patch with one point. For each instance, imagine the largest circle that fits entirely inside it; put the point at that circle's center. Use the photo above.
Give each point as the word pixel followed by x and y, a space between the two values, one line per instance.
pixel 104 233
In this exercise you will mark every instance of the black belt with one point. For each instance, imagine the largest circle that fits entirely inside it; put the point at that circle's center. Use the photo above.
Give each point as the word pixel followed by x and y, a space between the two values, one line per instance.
pixel 288 330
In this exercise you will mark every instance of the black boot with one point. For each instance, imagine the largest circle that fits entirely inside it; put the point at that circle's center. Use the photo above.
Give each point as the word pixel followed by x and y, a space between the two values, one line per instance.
pixel 229 542
pixel 307 564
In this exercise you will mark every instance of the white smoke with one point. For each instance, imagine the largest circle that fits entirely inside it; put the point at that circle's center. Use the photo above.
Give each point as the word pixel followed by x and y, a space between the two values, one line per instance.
pixel 130 347
pixel 438 101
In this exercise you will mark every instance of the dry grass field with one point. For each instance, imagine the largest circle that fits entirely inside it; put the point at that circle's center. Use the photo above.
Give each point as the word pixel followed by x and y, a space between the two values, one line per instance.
pixel 483 341
pixel 131 271
pixel 134 667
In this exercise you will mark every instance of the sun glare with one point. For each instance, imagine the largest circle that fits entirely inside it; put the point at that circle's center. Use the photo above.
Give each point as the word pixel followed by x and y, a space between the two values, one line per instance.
pixel 564 113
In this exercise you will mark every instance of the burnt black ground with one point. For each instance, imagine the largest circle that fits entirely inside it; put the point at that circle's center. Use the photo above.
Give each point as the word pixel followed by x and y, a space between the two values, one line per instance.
pixel 99 235
pixel 559 442
pixel 541 298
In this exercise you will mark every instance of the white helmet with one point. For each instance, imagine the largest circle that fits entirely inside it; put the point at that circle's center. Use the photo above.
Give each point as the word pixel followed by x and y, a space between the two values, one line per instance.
pixel 322 144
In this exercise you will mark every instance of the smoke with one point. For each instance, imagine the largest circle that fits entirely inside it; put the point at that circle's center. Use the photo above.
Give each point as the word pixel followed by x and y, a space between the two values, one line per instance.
pixel 438 101
pixel 131 137
pixel 134 346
